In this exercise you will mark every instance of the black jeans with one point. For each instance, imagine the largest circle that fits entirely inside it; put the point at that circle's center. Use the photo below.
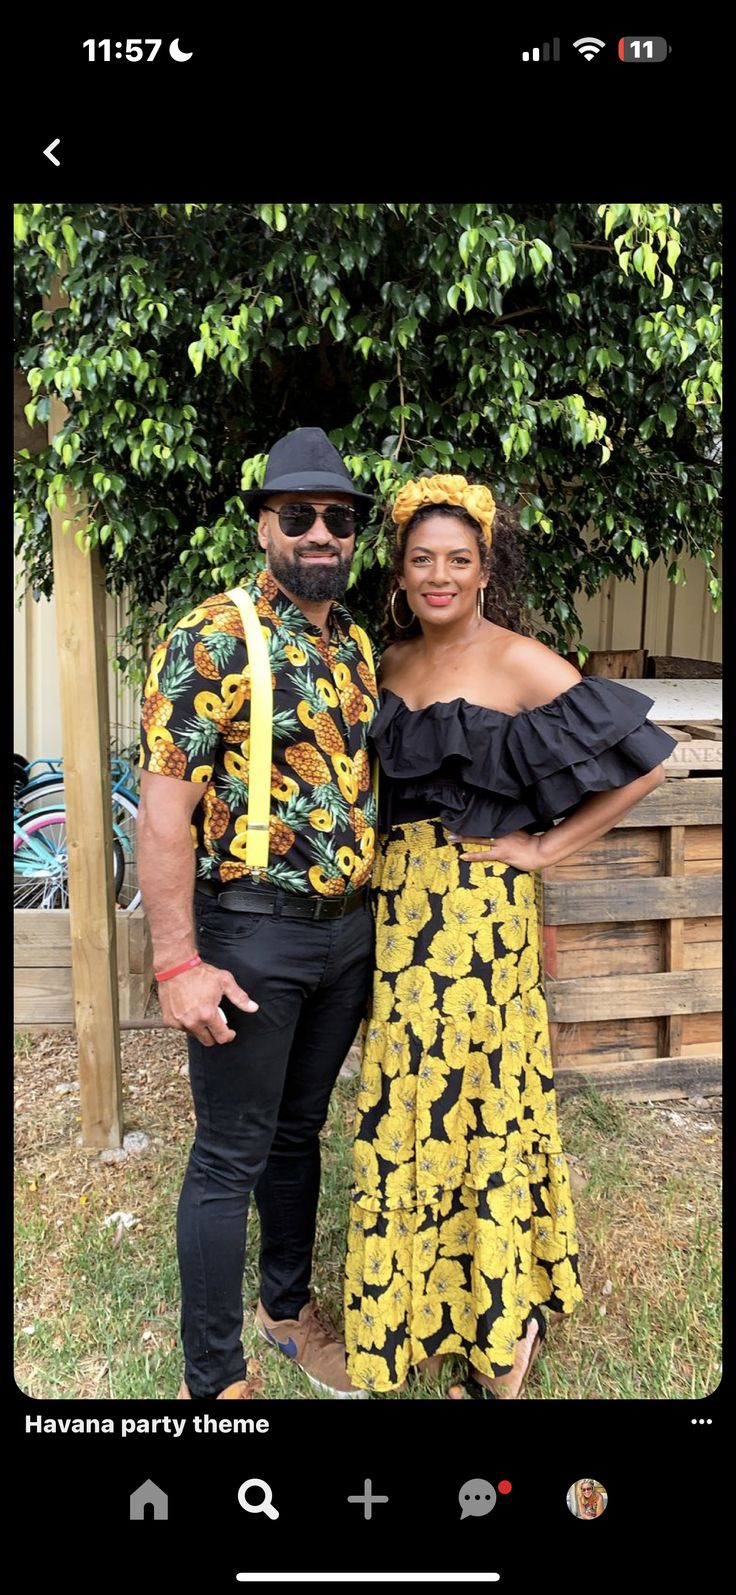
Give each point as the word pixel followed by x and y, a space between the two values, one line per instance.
pixel 261 1101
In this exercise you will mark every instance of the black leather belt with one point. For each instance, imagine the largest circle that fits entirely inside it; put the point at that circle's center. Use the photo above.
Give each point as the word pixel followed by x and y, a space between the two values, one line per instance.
pixel 284 905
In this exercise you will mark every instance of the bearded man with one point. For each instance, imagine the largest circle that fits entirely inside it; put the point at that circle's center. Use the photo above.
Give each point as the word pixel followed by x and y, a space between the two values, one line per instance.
pixel 267 972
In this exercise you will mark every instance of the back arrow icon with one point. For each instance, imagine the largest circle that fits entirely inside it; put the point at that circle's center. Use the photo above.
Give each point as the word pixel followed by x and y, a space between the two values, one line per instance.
pixel 49 148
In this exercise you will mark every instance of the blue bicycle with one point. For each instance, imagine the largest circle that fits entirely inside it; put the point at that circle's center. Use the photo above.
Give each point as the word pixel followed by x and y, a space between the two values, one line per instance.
pixel 40 840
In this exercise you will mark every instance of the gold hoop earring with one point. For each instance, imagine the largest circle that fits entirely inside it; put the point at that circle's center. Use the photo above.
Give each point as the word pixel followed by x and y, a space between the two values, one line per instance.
pixel 480 603
pixel 400 625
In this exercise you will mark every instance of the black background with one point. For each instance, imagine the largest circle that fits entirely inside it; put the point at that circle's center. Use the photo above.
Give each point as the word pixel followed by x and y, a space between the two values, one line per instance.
pixel 377 107
pixel 436 105
pixel 658 1469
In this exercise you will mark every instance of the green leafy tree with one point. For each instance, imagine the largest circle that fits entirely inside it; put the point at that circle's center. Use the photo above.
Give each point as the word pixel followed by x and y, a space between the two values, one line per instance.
pixel 568 355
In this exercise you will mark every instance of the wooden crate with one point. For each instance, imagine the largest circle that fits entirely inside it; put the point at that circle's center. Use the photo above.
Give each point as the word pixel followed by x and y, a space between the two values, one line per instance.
pixel 632 945
pixel 42 975
pixel 674 667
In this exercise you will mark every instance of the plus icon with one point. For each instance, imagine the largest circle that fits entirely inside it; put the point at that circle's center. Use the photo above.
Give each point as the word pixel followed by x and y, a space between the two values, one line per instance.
pixel 367 1500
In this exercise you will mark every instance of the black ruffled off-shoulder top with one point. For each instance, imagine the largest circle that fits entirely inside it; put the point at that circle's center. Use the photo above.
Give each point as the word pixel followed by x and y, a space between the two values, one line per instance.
pixel 485 773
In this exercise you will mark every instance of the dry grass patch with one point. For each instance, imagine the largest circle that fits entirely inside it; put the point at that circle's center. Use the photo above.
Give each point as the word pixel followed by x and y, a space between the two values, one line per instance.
pixel 97 1289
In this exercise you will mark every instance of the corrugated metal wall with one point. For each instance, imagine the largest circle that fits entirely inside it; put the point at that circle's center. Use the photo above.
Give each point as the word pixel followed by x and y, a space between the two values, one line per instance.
pixel 36 708
pixel 655 614
pixel 650 613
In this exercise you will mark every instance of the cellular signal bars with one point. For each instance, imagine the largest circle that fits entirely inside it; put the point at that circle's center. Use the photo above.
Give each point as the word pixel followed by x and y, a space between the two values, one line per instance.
pixel 542 54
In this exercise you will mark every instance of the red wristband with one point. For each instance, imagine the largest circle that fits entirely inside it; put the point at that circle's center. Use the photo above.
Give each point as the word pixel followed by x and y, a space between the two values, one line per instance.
pixel 179 969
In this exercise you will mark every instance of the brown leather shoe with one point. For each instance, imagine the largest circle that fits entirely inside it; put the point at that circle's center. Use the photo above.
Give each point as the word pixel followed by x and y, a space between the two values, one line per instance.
pixel 242 1390
pixel 317 1350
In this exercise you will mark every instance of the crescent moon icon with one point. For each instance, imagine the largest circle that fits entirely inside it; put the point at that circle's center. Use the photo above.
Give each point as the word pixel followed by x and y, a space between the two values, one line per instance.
pixel 177 54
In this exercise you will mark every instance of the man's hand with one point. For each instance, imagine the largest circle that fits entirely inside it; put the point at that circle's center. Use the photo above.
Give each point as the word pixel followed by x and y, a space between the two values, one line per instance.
pixel 191 1001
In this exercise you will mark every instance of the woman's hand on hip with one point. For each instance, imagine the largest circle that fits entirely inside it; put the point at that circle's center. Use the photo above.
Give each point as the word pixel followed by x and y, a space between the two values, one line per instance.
pixel 518 849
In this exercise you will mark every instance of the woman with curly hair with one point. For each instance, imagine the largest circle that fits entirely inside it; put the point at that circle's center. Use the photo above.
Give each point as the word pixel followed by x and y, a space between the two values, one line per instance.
pixel 462 1229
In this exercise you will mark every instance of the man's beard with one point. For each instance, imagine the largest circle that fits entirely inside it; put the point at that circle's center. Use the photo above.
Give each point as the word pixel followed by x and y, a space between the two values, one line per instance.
pixel 312 582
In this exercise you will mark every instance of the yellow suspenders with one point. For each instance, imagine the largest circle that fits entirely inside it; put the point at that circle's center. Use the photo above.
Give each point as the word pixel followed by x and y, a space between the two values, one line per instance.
pixel 364 641
pixel 261 734
pixel 261 731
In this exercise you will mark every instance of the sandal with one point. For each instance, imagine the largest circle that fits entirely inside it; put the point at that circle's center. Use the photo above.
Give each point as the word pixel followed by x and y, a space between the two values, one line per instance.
pixel 429 1367
pixel 423 1374
pixel 477 1391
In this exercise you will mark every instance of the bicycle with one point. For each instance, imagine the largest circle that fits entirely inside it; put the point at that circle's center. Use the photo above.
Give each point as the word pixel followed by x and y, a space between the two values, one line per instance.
pixel 43 791
pixel 40 870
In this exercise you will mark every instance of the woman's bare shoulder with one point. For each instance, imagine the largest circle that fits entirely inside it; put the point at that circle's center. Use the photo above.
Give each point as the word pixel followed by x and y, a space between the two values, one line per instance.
pixel 394 660
pixel 540 674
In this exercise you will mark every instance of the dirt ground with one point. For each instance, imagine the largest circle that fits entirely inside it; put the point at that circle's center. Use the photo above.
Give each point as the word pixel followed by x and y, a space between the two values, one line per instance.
pixel 646 1182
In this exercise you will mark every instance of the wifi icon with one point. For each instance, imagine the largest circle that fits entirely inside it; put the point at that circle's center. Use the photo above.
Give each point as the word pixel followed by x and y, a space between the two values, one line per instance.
pixel 589 47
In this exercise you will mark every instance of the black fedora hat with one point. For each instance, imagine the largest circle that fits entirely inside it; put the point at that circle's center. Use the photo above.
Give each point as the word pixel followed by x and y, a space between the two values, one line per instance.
pixel 305 461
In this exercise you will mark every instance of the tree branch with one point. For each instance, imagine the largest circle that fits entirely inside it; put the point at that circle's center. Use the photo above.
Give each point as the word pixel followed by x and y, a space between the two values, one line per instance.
pixel 402 429
pixel 531 310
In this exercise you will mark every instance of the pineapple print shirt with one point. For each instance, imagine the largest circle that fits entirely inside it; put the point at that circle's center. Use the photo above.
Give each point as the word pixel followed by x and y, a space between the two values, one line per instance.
pixel 195 727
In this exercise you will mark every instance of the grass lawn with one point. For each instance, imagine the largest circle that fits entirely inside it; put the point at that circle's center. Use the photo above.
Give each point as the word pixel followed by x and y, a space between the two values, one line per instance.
pixel 97 1287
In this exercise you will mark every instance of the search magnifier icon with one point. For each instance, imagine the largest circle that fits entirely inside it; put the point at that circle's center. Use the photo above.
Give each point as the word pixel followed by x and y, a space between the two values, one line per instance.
pixel 266 1505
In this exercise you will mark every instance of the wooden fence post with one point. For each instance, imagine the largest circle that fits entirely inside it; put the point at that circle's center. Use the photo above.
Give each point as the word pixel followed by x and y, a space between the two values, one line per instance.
pixel 79 590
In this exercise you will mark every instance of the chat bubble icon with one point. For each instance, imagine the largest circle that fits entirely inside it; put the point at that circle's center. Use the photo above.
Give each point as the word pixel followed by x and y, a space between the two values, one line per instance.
pixel 477 1498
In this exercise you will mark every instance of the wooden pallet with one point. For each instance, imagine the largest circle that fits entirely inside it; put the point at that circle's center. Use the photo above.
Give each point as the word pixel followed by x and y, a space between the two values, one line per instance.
pixel 699 746
pixel 639 912
pixel 673 667
pixel 42 976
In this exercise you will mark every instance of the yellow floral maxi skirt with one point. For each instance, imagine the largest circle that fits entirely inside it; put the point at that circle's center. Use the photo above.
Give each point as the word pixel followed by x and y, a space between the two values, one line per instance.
pixel 461 1217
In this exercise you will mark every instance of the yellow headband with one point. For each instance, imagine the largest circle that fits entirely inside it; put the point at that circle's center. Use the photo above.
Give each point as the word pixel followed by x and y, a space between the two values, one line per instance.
pixel 478 501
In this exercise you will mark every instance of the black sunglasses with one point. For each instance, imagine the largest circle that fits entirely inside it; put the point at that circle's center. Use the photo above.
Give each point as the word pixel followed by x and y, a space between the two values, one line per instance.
pixel 296 519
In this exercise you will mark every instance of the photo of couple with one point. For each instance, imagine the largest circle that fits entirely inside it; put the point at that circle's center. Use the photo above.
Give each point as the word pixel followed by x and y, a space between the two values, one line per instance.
pixel 461 1235
pixel 361 945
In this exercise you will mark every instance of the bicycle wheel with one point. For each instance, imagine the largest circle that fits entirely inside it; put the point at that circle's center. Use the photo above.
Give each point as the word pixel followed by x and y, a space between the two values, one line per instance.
pixel 124 821
pixel 20 773
pixel 124 817
pixel 40 862
pixel 46 792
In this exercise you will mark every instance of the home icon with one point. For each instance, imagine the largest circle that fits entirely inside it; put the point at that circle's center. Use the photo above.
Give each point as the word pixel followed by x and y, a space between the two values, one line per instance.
pixel 149 1496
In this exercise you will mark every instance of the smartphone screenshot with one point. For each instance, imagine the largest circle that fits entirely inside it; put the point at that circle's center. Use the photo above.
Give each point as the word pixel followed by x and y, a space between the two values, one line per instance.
pixel 368 761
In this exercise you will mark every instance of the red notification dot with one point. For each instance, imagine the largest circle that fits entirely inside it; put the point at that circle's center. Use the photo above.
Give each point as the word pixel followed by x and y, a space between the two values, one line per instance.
pixel 504 1487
